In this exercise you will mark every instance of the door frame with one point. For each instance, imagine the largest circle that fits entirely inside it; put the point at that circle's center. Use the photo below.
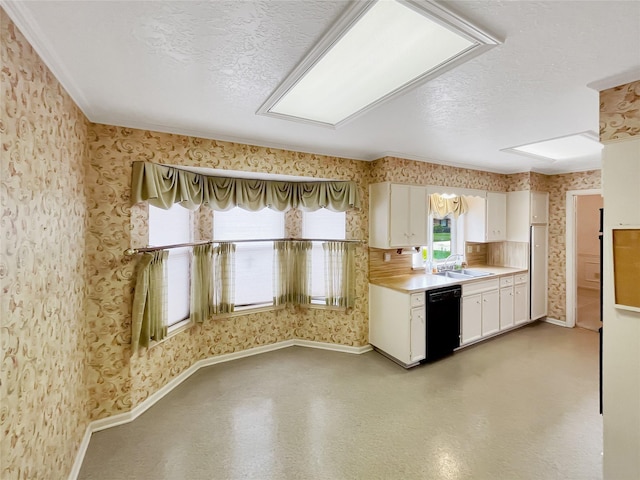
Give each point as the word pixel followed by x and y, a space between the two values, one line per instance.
pixel 571 249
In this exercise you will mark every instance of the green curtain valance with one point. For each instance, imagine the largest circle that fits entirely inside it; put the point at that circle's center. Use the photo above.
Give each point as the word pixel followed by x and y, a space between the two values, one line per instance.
pixel 163 186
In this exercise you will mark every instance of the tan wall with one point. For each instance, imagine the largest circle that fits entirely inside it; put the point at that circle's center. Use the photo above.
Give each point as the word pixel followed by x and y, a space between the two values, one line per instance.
pixel 558 186
pixel 66 182
pixel 43 406
pixel 399 170
pixel 119 383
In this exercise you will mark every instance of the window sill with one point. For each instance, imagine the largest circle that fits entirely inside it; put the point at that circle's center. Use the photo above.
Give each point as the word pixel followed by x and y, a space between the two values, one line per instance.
pixel 322 306
pixel 172 331
pixel 240 311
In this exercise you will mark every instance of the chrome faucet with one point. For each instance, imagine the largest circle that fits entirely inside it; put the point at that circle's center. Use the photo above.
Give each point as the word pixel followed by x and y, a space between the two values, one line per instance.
pixel 449 266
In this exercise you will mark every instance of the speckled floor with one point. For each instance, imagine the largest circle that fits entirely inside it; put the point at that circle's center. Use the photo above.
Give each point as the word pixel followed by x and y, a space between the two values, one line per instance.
pixel 521 406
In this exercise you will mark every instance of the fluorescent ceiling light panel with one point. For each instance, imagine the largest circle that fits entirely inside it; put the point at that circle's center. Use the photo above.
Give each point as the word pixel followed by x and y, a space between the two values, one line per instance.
pixel 372 54
pixel 579 145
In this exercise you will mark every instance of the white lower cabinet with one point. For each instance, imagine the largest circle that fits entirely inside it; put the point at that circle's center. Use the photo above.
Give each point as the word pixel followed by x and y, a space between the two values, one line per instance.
pixel 471 325
pixel 418 333
pixel 506 302
pixel 480 310
pixel 397 324
pixel 506 308
pixel 490 313
pixel 521 299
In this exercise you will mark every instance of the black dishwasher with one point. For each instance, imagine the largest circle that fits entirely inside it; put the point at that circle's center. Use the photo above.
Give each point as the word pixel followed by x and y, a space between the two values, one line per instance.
pixel 443 322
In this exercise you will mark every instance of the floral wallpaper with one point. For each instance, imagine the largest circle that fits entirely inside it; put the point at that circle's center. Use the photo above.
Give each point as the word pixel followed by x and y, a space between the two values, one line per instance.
pixel 67 285
pixel 43 408
pixel 557 186
pixel 118 381
pixel 399 170
pixel 620 112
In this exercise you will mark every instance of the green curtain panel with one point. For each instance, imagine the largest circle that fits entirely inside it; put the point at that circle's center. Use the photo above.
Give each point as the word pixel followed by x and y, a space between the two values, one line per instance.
pixel 224 259
pixel 202 283
pixel 442 207
pixel 162 186
pixel 150 300
pixel 340 278
pixel 292 272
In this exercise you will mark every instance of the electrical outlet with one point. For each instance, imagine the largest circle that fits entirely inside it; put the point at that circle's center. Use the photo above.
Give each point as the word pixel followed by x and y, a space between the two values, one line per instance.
pixel 386 257
pixel 469 248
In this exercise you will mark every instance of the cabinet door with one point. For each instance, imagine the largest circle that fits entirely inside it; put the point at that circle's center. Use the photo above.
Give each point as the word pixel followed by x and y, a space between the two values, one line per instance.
pixel 471 328
pixel 418 216
pixel 399 215
pixel 490 313
pixel 496 216
pixel 506 308
pixel 475 220
pixel 418 333
pixel 539 207
pixel 518 213
pixel 521 304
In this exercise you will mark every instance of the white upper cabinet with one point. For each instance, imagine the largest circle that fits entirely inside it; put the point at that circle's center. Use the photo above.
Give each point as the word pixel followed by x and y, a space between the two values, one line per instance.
pixel 525 208
pixel 397 215
pixel 539 207
pixel 486 220
pixel 496 216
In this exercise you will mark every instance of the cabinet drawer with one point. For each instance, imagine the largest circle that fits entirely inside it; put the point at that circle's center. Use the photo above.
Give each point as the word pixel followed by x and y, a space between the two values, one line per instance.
pixel 478 287
pixel 521 278
pixel 506 281
pixel 417 299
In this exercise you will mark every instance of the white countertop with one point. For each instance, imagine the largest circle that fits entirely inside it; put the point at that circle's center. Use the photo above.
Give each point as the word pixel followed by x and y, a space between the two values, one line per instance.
pixel 417 282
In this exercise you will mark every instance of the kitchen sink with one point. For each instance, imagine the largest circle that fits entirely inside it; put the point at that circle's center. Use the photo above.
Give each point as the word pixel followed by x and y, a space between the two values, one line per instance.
pixel 456 275
pixel 475 273
pixel 464 274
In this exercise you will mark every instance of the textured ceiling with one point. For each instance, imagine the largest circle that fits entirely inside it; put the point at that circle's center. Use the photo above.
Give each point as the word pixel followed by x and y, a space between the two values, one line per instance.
pixel 204 69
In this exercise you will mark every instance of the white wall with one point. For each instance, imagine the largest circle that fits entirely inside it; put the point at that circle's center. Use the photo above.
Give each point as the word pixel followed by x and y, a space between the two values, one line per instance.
pixel 621 330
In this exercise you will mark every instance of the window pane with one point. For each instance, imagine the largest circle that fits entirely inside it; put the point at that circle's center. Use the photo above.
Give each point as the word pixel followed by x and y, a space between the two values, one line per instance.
pixel 169 227
pixel 254 260
pixel 441 235
pixel 317 271
pixel 239 224
pixel 179 283
pixel 254 273
pixel 324 224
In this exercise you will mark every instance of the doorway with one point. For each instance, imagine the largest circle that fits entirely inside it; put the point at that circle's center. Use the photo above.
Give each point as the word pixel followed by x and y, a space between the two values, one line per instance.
pixel 583 259
pixel 588 261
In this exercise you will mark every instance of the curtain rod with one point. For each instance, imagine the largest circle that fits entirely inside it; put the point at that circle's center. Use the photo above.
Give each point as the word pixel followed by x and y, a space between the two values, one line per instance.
pixel 134 251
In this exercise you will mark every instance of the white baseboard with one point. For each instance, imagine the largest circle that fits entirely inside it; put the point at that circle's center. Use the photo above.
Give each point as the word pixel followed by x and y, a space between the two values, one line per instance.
pixel 333 347
pixel 126 417
pixel 555 321
pixel 84 444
